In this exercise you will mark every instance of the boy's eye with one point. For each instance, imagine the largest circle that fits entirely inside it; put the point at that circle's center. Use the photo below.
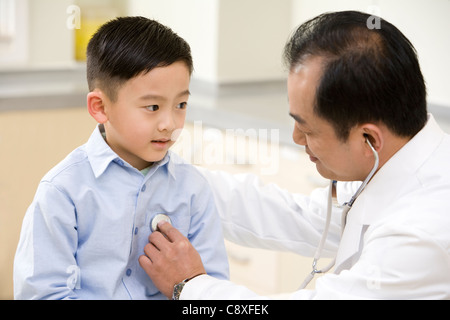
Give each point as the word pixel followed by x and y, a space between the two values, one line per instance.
pixel 182 105
pixel 152 108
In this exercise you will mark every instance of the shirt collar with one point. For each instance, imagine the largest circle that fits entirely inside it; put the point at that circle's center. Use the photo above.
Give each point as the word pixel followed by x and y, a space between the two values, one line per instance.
pixel 100 155
pixel 171 161
pixel 167 161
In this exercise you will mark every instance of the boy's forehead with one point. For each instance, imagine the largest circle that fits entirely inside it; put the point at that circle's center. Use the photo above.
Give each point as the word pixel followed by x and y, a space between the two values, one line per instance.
pixel 160 97
pixel 160 82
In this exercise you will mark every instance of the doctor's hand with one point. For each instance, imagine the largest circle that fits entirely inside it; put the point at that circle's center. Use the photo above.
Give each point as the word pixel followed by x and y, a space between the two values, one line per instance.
pixel 170 258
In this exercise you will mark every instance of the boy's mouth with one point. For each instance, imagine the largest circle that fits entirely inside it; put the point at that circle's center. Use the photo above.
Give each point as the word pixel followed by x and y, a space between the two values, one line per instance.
pixel 161 144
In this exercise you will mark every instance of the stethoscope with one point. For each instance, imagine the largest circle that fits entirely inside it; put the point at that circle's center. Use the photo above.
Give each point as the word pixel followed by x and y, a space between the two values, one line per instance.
pixel 346 208
pixel 156 219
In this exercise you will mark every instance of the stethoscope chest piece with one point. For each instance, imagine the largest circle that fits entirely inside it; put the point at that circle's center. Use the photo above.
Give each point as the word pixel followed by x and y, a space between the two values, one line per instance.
pixel 156 219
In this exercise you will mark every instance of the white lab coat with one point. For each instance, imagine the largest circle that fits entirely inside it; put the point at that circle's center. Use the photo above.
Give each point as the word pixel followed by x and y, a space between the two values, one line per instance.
pixel 396 243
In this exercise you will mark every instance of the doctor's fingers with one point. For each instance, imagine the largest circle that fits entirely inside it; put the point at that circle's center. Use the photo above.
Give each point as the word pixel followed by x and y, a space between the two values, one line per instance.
pixel 170 231
pixel 156 271
pixel 158 240
pixel 151 252
pixel 145 263
pixel 170 250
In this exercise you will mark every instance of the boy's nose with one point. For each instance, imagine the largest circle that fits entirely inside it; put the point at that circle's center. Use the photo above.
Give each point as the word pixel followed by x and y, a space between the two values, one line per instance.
pixel 166 122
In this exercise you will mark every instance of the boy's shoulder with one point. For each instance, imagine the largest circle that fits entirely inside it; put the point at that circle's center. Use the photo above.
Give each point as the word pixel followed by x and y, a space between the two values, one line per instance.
pixel 184 170
pixel 71 165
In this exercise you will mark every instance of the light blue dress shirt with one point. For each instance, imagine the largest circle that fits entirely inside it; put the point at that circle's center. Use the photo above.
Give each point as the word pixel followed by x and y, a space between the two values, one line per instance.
pixel 90 220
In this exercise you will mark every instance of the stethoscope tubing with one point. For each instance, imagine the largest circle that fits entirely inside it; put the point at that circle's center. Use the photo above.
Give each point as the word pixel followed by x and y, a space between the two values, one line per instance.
pixel 347 206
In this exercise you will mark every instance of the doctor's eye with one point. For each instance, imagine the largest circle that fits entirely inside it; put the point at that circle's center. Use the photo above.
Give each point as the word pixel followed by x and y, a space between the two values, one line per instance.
pixel 306 133
pixel 182 105
pixel 152 108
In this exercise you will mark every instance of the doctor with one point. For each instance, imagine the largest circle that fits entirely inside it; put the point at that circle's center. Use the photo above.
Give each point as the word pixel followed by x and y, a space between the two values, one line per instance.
pixel 351 88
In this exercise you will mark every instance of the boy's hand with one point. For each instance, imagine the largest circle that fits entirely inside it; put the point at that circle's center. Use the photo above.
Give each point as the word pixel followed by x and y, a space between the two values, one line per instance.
pixel 170 258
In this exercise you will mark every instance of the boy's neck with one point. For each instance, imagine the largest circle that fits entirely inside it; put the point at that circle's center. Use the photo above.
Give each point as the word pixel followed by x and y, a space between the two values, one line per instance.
pixel 103 133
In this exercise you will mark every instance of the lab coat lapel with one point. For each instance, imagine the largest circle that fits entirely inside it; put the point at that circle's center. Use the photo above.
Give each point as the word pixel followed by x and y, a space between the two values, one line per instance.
pixel 351 242
pixel 386 186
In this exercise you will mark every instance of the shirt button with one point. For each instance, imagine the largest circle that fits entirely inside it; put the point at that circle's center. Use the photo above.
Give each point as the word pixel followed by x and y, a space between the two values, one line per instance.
pixel 128 272
pixel 136 230
pixel 143 188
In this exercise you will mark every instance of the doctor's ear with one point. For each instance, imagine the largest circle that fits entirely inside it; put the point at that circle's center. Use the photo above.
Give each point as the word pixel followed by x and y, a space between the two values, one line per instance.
pixel 96 106
pixel 374 135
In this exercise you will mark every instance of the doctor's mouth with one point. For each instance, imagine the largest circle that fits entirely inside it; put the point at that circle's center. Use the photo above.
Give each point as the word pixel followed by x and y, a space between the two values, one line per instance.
pixel 311 157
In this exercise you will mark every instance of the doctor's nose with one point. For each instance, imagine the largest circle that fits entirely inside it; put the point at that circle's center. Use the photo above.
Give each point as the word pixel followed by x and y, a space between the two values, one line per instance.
pixel 299 137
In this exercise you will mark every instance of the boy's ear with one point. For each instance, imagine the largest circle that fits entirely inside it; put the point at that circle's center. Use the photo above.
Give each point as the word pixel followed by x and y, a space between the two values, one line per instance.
pixel 96 106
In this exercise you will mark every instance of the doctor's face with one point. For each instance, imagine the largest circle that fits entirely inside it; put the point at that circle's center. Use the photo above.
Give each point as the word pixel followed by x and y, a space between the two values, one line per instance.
pixel 334 158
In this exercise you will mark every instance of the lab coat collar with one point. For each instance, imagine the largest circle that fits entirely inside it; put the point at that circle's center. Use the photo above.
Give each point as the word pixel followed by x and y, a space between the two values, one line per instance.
pixel 101 155
pixel 399 174
pixel 396 177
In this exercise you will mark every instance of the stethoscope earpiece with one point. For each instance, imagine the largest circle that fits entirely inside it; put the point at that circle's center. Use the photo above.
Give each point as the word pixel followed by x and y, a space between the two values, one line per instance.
pixel 368 141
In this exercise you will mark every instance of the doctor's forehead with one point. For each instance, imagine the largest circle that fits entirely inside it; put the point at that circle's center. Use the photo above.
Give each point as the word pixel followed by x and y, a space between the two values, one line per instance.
pixel 302 84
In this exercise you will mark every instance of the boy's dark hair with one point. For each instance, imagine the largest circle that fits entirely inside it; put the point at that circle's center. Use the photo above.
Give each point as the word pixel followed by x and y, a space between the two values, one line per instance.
pixel 369 75
pixel 127 46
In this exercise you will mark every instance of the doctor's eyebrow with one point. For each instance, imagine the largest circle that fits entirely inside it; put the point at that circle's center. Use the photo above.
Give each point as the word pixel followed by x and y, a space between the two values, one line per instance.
pixel 297 118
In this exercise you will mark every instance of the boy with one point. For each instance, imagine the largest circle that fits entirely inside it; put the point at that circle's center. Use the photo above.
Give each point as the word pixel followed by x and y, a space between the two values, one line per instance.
pixel 92 214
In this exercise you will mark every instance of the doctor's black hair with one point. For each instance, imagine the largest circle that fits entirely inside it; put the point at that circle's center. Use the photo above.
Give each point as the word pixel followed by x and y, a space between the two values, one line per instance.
pixel 369 74
pixel 125 47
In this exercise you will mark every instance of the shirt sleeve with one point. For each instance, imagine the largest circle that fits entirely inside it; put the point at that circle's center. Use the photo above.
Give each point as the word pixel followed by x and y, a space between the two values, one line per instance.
pixel 205 232
pixel 45 266
pixel 265 216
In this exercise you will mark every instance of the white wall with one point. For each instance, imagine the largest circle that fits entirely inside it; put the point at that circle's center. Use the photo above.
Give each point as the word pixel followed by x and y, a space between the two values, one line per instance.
pixel 252 34
pixel 425 23
pixel 14 32
pixel 50 41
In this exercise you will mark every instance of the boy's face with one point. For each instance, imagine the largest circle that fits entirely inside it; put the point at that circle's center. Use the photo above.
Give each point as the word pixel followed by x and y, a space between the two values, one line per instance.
pixel 148 109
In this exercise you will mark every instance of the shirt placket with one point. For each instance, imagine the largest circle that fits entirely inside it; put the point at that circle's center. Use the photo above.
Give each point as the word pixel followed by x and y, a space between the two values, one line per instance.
pixel 138 232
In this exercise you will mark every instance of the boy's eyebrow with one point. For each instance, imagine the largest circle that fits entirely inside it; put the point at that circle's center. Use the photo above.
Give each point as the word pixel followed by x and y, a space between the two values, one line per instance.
pixel 158 97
